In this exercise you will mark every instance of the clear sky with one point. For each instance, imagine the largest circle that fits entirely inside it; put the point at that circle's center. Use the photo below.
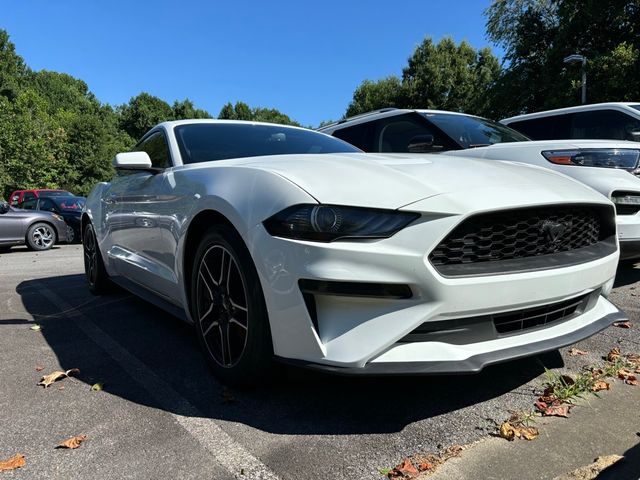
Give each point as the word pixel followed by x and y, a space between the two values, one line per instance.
pixel 302 58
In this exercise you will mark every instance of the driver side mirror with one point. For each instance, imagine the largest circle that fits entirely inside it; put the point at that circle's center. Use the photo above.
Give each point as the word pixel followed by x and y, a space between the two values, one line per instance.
pixel 4 208
pixel 420 144
pixel 132 161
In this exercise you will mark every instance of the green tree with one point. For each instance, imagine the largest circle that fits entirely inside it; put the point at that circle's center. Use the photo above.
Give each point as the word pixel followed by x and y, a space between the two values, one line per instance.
pixel 373 95
pixel 445 75
pixel 242 111
pixel 537 35
pixel 449 76
pixel 143 112
pixel 185 110
pixel 13 71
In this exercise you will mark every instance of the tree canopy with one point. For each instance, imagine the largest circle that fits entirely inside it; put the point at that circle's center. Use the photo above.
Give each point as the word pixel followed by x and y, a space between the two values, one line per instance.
pixel 442 75
pixel 538 34
pixel 242 111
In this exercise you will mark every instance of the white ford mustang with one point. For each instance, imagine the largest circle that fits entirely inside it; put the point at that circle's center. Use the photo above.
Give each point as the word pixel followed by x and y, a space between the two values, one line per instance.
pixel 283 242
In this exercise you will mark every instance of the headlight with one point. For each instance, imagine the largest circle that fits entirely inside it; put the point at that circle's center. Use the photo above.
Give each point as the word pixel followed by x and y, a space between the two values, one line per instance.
pixel 325 223
pixel 624 158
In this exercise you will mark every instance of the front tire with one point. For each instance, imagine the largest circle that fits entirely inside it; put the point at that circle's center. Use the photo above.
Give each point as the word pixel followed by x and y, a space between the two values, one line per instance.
pixel 229 310
pixel 95 272
pixel 41 236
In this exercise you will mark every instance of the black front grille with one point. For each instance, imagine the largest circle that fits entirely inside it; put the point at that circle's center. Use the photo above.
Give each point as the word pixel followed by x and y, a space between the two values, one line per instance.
pixel 520 320
pixel 516 235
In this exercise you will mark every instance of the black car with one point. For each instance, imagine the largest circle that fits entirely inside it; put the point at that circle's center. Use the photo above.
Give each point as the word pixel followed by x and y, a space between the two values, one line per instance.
pixel 68 207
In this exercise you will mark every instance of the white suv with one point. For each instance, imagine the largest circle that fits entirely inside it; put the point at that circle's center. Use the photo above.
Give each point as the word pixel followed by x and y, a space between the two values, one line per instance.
pixel 607 166
pixel 613 121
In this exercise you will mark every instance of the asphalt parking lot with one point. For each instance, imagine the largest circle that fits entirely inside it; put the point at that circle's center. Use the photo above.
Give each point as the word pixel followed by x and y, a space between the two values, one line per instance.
pixel 162 415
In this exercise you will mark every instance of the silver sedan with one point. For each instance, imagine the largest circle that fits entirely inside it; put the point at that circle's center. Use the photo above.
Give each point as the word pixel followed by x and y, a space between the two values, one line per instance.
pixel 39 230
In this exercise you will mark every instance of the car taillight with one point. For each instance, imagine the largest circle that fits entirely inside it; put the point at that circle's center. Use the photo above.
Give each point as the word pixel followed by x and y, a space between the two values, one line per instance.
pixel 624 158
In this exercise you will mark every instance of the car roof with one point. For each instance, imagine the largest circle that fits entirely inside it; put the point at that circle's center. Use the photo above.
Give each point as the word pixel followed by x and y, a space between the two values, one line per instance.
pixel 385 113
pixel 579 108
pixel 175 123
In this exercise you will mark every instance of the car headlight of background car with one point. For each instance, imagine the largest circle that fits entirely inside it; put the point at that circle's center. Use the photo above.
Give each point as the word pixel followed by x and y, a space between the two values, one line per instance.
pixel 624 158
pixel 326 223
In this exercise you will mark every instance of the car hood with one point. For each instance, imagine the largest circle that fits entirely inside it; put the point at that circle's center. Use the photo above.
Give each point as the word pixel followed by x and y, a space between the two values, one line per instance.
pixel 396 180
pixel 558 144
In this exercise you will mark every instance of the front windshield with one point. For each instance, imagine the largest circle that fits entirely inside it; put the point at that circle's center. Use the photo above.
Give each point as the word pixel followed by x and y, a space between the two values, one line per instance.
pixel 70 204
pixel 204 142
pixel 472 132
pixel 636 106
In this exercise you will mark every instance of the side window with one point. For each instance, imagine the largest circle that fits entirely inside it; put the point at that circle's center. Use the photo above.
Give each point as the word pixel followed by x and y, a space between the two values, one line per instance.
pixel 607 124
pixel 358 136
pixel 555 127
pixel 28 196
pixel 395 134
pixel 156 146
pixel 29 204
pixel 47 204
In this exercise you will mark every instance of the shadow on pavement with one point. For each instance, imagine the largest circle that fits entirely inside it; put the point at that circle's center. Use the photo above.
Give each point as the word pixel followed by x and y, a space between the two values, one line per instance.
pixel 626 469
pixel 300 402
pixel 627 274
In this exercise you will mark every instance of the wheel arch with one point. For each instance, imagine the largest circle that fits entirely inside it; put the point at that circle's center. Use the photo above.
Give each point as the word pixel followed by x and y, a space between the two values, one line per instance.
pixel 198 225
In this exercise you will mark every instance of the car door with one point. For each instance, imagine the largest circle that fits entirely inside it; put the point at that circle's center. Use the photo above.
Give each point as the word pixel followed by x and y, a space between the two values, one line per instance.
pixel 142 212
pixel 11 227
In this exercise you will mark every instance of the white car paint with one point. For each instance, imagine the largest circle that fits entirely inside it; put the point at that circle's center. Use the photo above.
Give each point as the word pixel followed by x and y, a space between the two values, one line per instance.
pixel 144 241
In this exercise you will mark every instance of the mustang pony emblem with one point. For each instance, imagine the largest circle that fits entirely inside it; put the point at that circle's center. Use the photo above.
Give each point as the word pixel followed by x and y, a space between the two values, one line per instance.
pixel 553 231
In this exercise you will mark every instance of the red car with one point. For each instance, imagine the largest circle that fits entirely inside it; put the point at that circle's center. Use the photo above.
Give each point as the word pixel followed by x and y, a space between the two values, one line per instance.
pixel 20 196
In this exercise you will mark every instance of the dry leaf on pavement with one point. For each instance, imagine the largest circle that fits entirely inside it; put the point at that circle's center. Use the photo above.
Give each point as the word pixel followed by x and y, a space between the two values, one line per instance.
pixel 424 466
pixel 404 470
pixel 576 351
pixel 96 387
pixel 625 324
pixel 600 385
pixel 39 368
pixel 557 411
pixel 35 328
pixel 510 432
pixel 47 380
pixel 613 354
pixel 73 442
pixel 628 377
pixel 14 462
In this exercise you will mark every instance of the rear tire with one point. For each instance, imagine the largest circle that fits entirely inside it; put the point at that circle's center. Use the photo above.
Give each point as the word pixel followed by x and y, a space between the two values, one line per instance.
pixel 41 236
pixel 228 307
pixel 95 272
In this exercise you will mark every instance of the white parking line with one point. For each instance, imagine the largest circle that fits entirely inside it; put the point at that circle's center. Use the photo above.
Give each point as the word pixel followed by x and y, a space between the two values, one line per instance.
pixel 232 456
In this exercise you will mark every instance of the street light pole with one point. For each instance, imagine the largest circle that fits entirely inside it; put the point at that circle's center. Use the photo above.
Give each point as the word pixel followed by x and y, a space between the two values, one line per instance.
pixel 575 58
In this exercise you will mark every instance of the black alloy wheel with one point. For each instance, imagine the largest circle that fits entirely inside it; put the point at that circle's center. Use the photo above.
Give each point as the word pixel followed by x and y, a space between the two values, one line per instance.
pixel 229 310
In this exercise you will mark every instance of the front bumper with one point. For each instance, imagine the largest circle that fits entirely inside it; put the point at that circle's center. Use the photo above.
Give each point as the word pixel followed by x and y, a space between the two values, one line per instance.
pixel 473 364
pixel 363 333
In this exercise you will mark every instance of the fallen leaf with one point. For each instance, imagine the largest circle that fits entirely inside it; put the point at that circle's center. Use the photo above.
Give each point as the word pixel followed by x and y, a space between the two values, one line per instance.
pixel 631 380
pixel 576 351
pixel 600 385
pixel 529 433
pixel 613 354
pixel 47 380
pixel 14 462
pixel 424 466
pixel 542 406
pixel 597 372
pixel 96 387
pixel 557 411
pixel 405 469
pixel 73 442
pixel 510 432
pixel 39 368
pixel 625 324
pixel 35 328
